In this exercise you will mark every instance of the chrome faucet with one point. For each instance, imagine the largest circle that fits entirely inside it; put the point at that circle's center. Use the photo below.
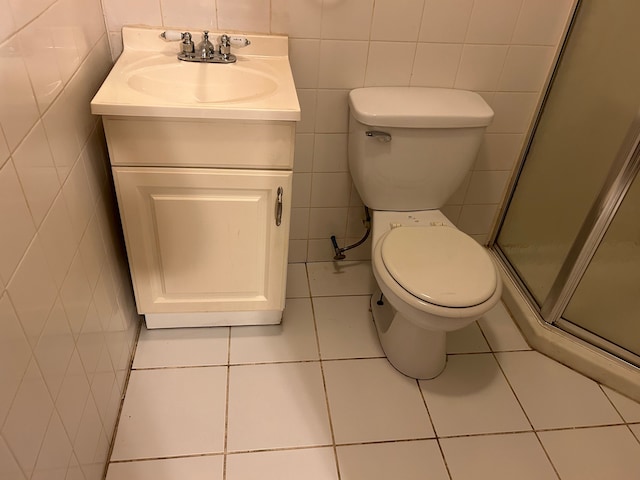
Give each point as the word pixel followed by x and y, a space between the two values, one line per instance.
pixel 205 51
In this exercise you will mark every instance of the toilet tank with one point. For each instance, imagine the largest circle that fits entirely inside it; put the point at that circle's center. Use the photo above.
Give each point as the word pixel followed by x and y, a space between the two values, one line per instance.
pixel 432 139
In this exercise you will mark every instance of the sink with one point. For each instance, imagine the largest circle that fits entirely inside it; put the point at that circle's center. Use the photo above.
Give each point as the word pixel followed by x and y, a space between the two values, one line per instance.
pixel 202 82
pixel 148 80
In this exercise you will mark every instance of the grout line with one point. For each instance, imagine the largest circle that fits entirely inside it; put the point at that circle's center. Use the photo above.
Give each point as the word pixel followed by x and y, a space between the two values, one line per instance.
pixel 226 409
pixel 151 459
pixel 525 414
pixel 324 387
pixel 433 427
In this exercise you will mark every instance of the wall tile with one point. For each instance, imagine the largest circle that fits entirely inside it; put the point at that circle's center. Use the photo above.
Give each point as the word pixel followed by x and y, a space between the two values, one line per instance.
pixel 346 20
pixel 330 189
pixel 301 190
pixel 389 63
pixel 298 251
pixel 480 67
pixel 35 267
pixel 493 21
pixel 8 463
pixel 33 291
pixel 92 252
pixel 436 65
pixel 343 70
pixel 304 58
pixel 332 114
pixel 307 100
pixel 36 43
pixel 499 151
pixel 79 200
pixel 24 12
pixel 63 140
pixel 303 156
pixel 457 198
pixel 193 14
pixel 73 395
pixel 244 15
pixel 15 212
pixel 7 25
pixel 299 224
pixel 76 294
pixel 397 20
pixel 64 38
pixel 4 149
pixel 486 187
pixel 33 407
pixel 55 452
pixel 330 152
pixel 54 348
pixel 445 20
pixel 542 22
pixel 296 18
pixel 18 107
pixel 321 250
pixel 477 219
pixel 325 222
pixel 37 172
pixel 15 354
pixel 119 13
pixel 513 112
pixel 58 240
pixel 526 68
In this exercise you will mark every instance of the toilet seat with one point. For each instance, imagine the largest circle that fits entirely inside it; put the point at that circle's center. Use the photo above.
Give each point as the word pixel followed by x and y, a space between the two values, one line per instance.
pixel 439 265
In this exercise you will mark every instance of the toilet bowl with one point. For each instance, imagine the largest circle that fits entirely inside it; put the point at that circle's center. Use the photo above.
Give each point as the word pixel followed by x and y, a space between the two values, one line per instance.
pixel 432 279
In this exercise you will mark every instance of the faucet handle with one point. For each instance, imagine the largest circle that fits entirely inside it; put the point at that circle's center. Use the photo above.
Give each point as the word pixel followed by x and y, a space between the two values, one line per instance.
pixel 238 41
pixel 174 35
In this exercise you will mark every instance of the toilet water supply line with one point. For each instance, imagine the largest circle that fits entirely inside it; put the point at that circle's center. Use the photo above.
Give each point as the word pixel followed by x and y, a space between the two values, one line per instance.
pixel 340 251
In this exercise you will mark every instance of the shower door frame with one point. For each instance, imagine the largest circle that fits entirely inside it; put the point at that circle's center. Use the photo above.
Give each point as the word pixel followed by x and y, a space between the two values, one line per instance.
pixel 624 169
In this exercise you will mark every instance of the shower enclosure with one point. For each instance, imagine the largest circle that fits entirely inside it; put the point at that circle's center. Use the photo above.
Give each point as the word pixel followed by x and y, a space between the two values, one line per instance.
pixel 570 233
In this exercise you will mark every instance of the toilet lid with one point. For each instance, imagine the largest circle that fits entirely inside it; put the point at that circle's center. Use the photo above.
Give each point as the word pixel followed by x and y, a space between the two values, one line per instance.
pixel 439 265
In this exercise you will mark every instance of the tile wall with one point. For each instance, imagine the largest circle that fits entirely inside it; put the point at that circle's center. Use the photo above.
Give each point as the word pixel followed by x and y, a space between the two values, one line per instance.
pixel 67 319
pixel 502 49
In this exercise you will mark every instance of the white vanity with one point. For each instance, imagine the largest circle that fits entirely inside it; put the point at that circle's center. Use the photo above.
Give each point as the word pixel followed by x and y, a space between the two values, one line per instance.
pixel 202 158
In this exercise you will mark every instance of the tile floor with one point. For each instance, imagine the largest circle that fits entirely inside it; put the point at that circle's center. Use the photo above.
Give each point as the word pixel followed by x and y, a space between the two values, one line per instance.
pixel 315 399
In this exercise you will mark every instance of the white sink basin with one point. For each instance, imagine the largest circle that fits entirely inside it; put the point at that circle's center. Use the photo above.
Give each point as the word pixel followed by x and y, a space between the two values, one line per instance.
pixel 149 80
pixel 200 83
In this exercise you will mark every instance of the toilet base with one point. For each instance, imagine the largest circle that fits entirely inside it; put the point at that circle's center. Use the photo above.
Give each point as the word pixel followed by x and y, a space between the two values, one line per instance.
pixel 414 351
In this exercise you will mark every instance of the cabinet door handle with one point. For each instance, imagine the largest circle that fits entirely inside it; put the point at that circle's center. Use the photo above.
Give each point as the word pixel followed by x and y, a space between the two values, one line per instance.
pixel 279 206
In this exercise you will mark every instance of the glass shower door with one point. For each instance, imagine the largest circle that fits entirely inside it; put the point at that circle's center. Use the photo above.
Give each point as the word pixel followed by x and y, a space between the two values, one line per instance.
pixel 593 100
pixel 607 300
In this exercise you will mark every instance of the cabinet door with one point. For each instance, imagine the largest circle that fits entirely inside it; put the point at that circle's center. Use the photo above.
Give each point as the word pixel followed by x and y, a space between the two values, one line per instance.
pixel 205 240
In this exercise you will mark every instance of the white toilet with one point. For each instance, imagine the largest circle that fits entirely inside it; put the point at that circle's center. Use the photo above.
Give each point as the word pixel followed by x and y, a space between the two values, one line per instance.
pixel 409 150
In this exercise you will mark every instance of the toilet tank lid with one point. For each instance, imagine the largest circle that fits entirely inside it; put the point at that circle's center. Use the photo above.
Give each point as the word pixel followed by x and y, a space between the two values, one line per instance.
pixel 419 107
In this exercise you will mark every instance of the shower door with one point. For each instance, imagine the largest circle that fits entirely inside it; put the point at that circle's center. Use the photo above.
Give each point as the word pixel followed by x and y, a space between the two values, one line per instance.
pixel 569 186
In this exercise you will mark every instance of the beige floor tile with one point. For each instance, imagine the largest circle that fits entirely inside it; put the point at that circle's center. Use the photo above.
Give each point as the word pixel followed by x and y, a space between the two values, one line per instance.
pixel 414 460
pixel 371 401
pixel 593 453
pixel 293 340
pixel 307 464
pixel 497 457
pixel 172 412
pixel 472 396
pixel 345 328
pixel 554 396
pixel 277 406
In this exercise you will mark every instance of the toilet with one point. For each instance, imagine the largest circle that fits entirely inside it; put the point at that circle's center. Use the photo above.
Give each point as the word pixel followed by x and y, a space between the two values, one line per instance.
pixel 409 150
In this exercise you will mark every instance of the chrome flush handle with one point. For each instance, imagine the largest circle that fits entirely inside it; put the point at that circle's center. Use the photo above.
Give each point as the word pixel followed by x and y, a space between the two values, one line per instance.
pixel 382 137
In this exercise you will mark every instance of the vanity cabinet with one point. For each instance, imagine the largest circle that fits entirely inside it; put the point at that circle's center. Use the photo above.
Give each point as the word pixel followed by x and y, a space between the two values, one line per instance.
pixel 207 241
pixel 202 159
